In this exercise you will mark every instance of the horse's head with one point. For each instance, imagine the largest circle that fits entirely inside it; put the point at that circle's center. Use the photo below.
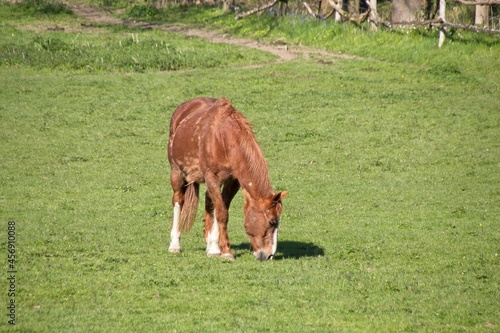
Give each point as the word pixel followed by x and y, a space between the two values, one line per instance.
pixel 262 219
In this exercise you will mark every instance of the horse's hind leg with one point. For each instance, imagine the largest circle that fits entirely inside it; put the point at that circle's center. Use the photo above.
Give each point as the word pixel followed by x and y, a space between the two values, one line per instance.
pixel 177 201
pixel 175 233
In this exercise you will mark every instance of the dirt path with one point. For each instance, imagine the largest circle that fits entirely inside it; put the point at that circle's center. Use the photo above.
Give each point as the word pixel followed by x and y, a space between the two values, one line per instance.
pixel 283 51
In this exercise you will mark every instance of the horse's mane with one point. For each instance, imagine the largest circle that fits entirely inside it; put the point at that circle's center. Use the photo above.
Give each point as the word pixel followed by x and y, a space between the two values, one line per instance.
pixel 254 160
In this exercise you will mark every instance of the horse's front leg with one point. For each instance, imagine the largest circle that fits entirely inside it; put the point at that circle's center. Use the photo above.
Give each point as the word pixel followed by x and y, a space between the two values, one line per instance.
pixel 216 218
pixel 211 228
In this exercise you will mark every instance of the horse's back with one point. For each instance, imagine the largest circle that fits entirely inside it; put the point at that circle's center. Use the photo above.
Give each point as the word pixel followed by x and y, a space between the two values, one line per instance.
pixel 189 107
pixel 186 128
pixel 204 133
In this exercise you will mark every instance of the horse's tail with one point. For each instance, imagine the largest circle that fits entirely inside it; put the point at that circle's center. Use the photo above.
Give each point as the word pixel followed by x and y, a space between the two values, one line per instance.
pixel 190 207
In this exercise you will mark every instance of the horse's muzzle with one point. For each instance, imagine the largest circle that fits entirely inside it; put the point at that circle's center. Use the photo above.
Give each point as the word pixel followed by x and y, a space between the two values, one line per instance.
pixel 263 255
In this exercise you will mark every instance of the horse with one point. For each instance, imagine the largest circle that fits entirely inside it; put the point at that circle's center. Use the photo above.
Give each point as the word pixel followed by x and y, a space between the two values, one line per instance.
pixel 211 142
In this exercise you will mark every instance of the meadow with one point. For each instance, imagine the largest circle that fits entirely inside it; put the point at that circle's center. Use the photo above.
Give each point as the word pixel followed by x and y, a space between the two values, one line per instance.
pixel 392 164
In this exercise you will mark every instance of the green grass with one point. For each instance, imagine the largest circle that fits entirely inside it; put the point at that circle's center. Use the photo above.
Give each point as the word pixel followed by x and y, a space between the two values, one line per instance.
pixel 391 222
pixel 123 51
pixel 110 48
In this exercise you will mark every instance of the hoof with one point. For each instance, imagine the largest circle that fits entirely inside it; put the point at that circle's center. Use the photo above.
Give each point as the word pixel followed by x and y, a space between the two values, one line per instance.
pixel 174 250
pixel 228 256
pixel 216 254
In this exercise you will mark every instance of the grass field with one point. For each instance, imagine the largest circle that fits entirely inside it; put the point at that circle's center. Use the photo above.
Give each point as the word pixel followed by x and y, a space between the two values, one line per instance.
pixel 391 223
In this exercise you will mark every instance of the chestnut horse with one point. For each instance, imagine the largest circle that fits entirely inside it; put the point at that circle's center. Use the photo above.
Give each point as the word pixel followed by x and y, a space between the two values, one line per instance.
pixel 210 142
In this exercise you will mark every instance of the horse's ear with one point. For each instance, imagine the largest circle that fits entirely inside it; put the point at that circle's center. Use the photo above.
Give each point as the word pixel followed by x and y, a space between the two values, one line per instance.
pixel 278 197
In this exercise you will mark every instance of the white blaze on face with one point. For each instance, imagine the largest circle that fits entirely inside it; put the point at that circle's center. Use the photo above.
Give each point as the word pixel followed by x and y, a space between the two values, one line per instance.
pixel 275 237
pixel 275 241
pixel 213 239
pixel 175 234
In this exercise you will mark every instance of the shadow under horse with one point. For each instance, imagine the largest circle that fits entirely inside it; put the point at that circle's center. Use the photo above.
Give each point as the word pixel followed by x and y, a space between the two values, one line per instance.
pixel 291 249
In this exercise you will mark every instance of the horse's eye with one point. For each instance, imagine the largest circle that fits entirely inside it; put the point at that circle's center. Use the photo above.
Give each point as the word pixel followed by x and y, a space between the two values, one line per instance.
pixel 273 223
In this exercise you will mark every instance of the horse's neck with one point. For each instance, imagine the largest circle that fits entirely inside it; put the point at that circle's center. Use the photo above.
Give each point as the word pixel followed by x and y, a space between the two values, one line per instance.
pixel 255 190
pixel 248 161
pixel 252 172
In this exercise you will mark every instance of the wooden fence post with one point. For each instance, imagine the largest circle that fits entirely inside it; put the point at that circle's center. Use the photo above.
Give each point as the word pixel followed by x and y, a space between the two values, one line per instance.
pixel 373 15
pixel 481 16
pixel 442 11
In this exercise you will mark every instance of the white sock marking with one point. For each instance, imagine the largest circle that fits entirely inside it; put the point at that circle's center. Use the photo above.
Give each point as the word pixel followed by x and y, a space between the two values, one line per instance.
pixel 213 239
pixel 175 234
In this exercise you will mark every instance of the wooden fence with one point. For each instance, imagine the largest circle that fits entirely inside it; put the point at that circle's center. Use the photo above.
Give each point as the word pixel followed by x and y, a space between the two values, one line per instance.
pixel 370 15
